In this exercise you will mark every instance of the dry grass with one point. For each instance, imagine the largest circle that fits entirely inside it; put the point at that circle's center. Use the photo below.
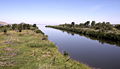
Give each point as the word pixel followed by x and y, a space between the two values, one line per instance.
pixel 27 50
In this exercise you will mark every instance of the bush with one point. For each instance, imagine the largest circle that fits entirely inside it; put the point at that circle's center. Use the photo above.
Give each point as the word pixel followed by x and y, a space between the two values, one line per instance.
pixel 5 31
pixel 20 30
pixel 45 37
pixel 34 25
pixel 117 26
pixel 39 31
pixel 32 28
pixel 101 34
pixel 65 53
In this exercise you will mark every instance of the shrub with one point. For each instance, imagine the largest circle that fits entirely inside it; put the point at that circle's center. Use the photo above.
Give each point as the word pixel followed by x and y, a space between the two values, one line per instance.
pixel 32 28
pixel 34 25
pixel 45 37
pixel 65 53
pixel 5 31
pixel 117 26
pixel 20 30
pixel 39 31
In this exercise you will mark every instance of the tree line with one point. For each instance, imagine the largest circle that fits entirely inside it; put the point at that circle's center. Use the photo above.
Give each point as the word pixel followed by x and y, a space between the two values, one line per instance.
pixel 93 25
pixel 101 30
pixel 20 27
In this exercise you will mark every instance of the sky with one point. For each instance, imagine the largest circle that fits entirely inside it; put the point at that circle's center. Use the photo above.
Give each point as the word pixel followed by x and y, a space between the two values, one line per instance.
pixel 59 11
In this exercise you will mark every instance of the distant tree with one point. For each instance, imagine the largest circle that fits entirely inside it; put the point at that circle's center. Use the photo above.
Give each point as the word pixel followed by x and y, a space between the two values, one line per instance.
pixel 20 26
pixel 103 24
pixel 87 23
pixel 14 26
pixel 8 26
pixel 81 25
pixel 93 23
pixel 28 26
pixel 108 23
pixel 24 26
pixel 34 25
pixel 73 23
pixel 98 25
pixel 117 26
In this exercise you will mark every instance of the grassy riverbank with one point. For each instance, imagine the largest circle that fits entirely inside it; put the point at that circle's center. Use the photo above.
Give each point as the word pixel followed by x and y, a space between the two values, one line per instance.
pixel 102 32
pixel 31 50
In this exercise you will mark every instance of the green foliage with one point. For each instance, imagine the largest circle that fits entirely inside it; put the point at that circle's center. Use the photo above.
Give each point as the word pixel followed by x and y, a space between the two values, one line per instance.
pixel 117 26
pixel 93 23
pixel 14 26
pixel 87 23
pixel 105 26
pixel 32 28
pixel 73 23
pixel 35 45
pixel 39 31
pixel 20 27
pixel 5 31
pixel 26 26
pixel 45 37
pixel 34 25
pixel 8 26
pixel 20 30
pixel 30 52
pixel 65 53
pixel 99 30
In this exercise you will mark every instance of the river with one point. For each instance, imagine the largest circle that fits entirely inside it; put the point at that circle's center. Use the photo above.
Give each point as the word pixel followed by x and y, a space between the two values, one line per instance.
pixel 85 50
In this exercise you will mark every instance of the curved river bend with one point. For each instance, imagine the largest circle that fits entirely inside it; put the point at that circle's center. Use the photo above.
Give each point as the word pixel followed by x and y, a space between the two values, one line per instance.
pixel 85 50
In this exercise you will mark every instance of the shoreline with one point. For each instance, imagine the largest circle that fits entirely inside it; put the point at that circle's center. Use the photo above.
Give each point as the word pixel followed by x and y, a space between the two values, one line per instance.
pixel 102 40
pixel 31 50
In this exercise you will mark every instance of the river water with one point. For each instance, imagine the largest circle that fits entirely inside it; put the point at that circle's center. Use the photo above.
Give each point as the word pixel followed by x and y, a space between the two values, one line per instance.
pixel 85 50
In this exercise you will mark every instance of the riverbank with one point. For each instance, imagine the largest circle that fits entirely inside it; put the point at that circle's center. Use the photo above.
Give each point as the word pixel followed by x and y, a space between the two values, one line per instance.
pixel 110 37
pixel 31 50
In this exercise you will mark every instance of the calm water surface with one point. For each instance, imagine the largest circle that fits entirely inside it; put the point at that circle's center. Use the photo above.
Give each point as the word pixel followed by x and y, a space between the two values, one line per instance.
pixel 85 50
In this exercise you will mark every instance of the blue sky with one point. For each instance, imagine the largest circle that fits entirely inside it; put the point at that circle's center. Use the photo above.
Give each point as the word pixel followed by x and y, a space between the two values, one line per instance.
pixel 59 11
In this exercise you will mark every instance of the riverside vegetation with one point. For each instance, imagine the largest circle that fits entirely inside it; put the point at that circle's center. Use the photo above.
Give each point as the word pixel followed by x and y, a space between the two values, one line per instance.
pixel 24 46
pixel 102 31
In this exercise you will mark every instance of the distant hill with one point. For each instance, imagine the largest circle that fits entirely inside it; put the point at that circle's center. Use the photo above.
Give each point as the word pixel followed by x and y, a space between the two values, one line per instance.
pixel 3 23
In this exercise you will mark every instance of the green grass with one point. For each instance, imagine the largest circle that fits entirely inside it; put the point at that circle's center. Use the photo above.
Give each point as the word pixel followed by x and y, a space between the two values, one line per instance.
pixel 27 50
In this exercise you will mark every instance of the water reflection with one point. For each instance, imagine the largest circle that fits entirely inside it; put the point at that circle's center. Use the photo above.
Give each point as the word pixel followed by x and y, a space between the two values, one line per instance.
pixel 102 41
pixel 96 53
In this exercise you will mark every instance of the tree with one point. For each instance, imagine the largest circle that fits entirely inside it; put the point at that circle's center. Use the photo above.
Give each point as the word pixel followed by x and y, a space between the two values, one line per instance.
pixel 73 23
pixel 108 23
pixel 103 24
pixel 93 23
pixel 87 23
pixel 14 26
pixel 28 26
pixel 24 26
pixel 8 26
pixel 34 25
pixel 20 26
pixel 81 25
pixel 117 26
